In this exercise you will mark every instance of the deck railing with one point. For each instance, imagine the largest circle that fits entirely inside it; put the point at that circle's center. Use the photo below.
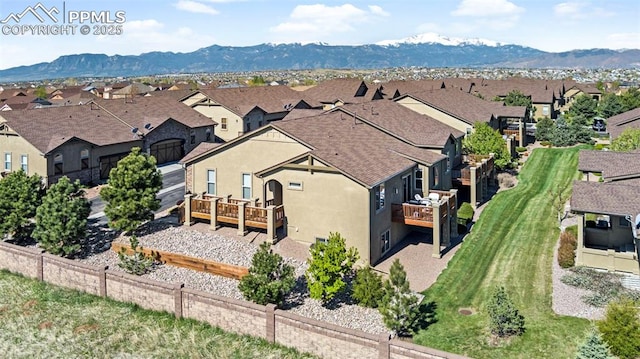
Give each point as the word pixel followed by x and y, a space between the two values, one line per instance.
pixel 227 211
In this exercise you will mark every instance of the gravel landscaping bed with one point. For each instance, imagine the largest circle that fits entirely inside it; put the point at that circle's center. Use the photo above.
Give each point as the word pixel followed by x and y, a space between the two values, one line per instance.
pixel 167 237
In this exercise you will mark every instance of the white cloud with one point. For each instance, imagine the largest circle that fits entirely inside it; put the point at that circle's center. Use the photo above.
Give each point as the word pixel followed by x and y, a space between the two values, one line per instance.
pixel 142 25
pixel 485 8
pixel 629 40
pixel 377 10
pixel 579 10
pixel 311 23
pixel 195 7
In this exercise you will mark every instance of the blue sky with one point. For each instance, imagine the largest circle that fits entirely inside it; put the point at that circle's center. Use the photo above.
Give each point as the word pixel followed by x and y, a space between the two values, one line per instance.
pixel 187 25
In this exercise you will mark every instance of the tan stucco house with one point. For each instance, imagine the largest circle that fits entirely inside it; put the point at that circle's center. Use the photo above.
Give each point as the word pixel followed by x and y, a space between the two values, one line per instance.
pixel 608 195
pixel 333 172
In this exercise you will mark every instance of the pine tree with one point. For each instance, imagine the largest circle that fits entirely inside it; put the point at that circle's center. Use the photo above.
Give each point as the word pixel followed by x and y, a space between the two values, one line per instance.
pixel 61 219
pixel 620 328
pixel 269 278
pixel 329 264
pixel 505 319
pixel 368 288
pixel 20 196
pixel 131 193
pixel 594 347
pixel 400 308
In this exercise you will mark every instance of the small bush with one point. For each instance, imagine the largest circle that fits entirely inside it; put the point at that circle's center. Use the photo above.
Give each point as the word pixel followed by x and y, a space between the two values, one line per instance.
pixel 545 143
pixel 594 347
pixel 368 288
pixel 505 319
pixel 269 278
pixel 605 286
pixel 465 213
pixel 620 328
pixel 573 230
pixel 521 149
pixel 137 263
pixel 600 146
pixel 567 250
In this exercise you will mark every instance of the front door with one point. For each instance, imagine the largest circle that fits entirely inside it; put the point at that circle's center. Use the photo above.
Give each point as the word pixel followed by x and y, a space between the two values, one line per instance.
pixel 406 188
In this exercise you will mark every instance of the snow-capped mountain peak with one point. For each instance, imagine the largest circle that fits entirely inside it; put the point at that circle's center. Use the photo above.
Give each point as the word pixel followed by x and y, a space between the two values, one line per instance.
pixel 434 38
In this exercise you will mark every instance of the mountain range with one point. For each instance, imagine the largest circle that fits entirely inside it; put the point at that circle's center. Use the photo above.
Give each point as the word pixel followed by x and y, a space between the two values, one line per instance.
pixel 425 50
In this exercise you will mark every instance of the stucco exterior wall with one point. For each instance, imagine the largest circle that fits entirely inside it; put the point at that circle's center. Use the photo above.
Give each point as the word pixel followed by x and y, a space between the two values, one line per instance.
pixel 18 146
pixel 217 112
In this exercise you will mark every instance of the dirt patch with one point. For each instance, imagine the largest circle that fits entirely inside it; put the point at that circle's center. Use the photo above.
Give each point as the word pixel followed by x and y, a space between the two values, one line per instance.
pixel 45 325
pixel 92 192
pixel 466 311
pixel 29 304
pixel 86 328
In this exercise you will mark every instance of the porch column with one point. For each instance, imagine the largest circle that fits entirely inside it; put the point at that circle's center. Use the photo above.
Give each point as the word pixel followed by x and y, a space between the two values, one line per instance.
pixel 436 231
pixel 228 197
pixel 474 187
pixel 214 214
pixel 453 215
pixel 241 228
pixel 254 202
pixel 271 224
pixel 187 209
pixel 485 180
pixel 522 133
pixel 580 239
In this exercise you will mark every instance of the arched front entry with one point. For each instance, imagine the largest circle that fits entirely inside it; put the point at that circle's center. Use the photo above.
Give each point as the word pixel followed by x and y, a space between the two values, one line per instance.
pixel 272 193
pixel 167 150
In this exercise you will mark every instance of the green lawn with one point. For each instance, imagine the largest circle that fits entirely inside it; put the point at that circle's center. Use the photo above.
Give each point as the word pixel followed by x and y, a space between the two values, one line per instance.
pixel 38 320
pixel 510 245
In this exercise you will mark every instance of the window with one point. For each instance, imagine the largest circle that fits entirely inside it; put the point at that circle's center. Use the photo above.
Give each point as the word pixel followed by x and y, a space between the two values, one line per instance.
pixel 246 186
pixel 24 163
pixel 211 182
pixel 223 124
pixel 295 186
pixel 7 161
pixel 385 239
pixel 545 110
pixel 379 196
pixel 321 240
pixel 418 181
pixel 436 176
pixel 624 222
pixel 248 127
pixel 407 182
pixel 259 123
pixel 57 164
pixel 84 159
pixel 208 132
pixel 192 136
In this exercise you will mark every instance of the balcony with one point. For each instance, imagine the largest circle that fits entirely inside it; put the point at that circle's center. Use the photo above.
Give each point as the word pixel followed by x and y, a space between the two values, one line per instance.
pixel 422 214
pixel 463 174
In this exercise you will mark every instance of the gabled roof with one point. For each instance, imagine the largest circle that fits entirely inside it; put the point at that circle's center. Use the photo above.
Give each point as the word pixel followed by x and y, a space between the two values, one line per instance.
pixel 613 165
pixel 618 123
pixel 606 198
pixel 346 90
pixel 403 123
pixel 359 150
pixel 270 99
pixel 201 148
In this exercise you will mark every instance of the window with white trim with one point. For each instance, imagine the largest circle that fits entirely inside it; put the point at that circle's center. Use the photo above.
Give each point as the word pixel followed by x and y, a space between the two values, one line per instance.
pixel 192 136
pixel 223 124
pixel 246 186
pixel 379 189
pixel 385 241
pixel 24 163
pixel 297 186
pixel 418 179
pixel 7 161
pixel 211 182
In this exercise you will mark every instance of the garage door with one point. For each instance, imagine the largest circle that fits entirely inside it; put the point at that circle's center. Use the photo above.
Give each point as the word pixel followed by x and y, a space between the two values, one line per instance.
pixel 167 151
pixel 109 162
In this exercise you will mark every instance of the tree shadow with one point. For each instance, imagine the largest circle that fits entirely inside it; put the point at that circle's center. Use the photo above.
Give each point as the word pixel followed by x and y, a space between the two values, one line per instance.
pixel 427 315
pixel 297 295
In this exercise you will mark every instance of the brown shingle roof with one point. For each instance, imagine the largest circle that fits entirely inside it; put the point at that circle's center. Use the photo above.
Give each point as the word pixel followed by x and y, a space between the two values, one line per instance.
pixel 459 104
pixel 606 198
pixel 271 99
pixel 338 89
pixel 200 149
pixel 418 129
pixel 613 165
pixel 618 123
pixel 361 151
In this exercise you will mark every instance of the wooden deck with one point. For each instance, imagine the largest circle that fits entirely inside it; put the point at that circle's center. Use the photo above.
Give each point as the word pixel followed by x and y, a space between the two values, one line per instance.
pixel 227 212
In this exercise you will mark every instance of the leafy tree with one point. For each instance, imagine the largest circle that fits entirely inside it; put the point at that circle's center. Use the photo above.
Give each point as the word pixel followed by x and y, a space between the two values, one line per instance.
pixel 61 219
pixel 628 140
pixel 505 319
pixel 40 92
pixel 20 196
pixel 257 81
pixel 330 262
pixel 517 98
pixel 594 347
pixel 485 140
pixel 367 289
pixel 600 86
pixel 545 129
pixel 269 278
pixel 610 105
pixel 584 105
pixel 620 328
pixel 400 308
pixel 630 99
pixel 132 190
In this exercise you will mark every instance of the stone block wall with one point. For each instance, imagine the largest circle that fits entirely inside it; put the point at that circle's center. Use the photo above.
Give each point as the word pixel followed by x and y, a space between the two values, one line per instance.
pixel 149 294
pixel 73 274
pixel 26 261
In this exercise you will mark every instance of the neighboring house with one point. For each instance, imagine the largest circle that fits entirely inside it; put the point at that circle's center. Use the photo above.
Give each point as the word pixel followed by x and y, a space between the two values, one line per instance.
pixel 132 90
pixel 241 110
pixel 333 172
pixel 85 142
pixel 618 123
pixel 337 92
pixel 606 203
